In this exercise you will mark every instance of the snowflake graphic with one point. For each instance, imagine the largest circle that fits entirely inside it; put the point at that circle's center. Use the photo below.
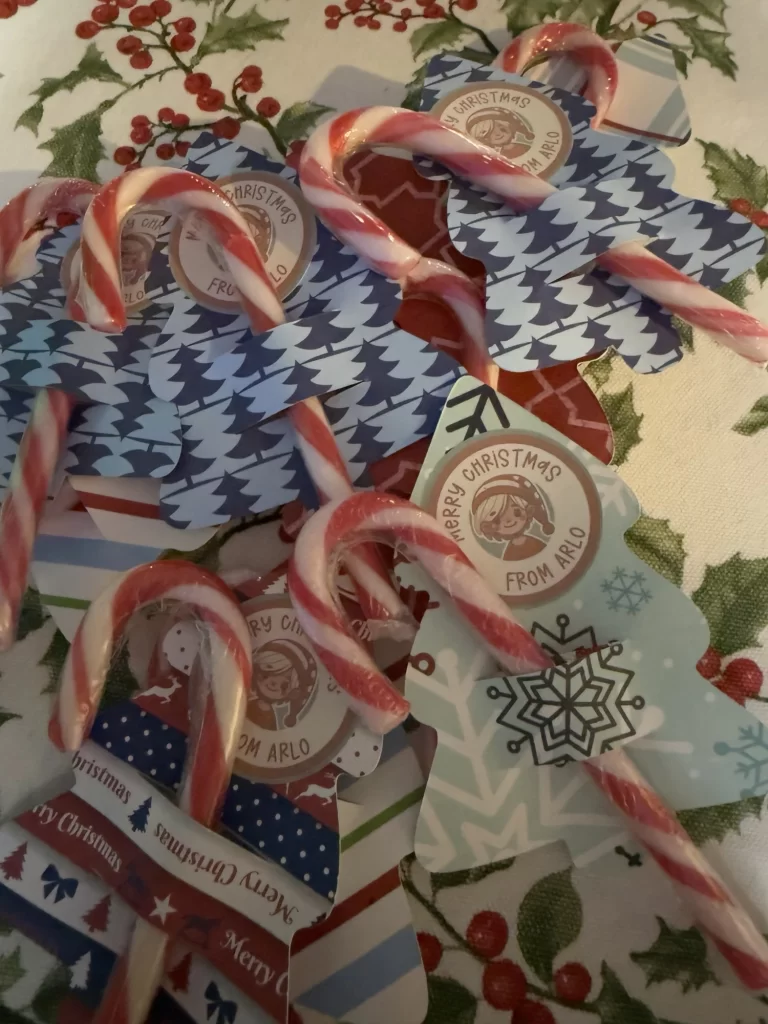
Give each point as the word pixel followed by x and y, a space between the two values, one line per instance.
pixel 626 591
pixel 575 710
pixel 752 751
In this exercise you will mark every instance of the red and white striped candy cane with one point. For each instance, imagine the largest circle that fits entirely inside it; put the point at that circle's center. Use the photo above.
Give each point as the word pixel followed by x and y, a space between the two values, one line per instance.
pixel 33 207
pixel 44 436
pixel 216 716
pixel 371 695
pixel 101 299
pixel 324 185
pixel 581 45
pixel 371 514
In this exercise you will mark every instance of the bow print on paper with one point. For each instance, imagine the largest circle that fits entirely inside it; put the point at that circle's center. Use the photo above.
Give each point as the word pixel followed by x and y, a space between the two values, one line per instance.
pixel 225 1009
pixel 65 888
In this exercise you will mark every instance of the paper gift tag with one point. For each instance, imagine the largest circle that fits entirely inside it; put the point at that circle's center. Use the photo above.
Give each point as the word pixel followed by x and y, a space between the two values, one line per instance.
pixel 544 522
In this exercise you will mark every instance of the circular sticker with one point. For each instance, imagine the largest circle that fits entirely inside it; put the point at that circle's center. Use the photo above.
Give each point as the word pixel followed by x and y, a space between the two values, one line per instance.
pixel 282 225
pixel 137 242
pixel 523 508
pixel 521 123
pixel 298 718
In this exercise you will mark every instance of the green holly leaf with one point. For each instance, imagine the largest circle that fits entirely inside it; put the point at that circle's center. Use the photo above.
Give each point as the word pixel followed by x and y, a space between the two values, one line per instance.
pixel 414 89
pixel 587 12
pixel 76 147
pixel 708 44
pixel 33 614
pixel 682 61
pixel 92 68
pixel 6 716
pixel 712 9
pixel 734 175
pixel 549 920
pixel 298 120
pixel 684 333
pixel 241 32
pixel 11 970
pixel 53 659
pixel 619 409
pixel 614 1005
pixel 733 597
pixel 755 420
pixel 438 35
pixel 762 269
pixel 678 954
pixel 719 820
pixel 659 546
pixel 469 876
pixel 55 986
pixel 523 14
pixel 599 370
pixel 449 1002
pixel 736 291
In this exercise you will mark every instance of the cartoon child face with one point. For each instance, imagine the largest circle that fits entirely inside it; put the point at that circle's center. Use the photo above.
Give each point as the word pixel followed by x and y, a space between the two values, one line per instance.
pixel 274 677
pixel 513 518
pixel 493 132
pixel 133 259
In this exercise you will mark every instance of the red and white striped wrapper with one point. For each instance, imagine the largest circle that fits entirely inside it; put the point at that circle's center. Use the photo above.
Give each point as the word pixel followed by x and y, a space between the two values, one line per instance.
pixel 31 209
pixel 323 183
pixel 581 45
pixel 716 909
pixel 217 718
pixel 372 515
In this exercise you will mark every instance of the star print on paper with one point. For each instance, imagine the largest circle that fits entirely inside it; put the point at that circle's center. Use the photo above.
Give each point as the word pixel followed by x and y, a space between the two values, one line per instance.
pixel 575 710
pixel 162 908
pixel 626 591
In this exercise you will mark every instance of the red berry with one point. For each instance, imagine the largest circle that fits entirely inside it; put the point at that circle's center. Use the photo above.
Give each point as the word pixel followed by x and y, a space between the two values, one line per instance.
pixel 165 114
pixel 180 121
pixel 353 5
pixel 141 135
pixel 741 679
pixel 742 206
pixel 141 60
pixel 504 985
pixel 105 14
pixel 182 42
pixel 129 44
pixel 400 26
pixel 85 30
pixel 647 18
pixel 374 24
pixel 126 4
pixel 466 5
pixel 573 982
pixel 531 1012
pixel 434 11
pixel 709 665
pixel 141 17
pixel 268 107
pixel 406 13
pixel 9 7
pixel 760 218
pixel 165 151
pixel 332 23
pixel 487 934
pixel 124 155
pixel 423 3
pixel 211 100
pixel 65 218
pixel 252 71
pixel 197 82
pixel 182 148
pixel 226 128
pixel 431 951
pixel 384 7
pixel 161 7
pixel 139 120
pixel 332 11
pixel 361 20
pixel 185 25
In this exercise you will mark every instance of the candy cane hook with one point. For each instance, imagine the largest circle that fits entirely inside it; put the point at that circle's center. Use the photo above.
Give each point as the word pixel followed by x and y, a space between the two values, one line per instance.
pixel 717 910
pixel 217 719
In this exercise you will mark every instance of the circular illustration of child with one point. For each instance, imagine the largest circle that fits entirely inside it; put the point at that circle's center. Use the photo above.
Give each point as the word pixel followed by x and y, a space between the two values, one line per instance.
pixel 502 129
pixel 284 678
pixel 512 510
pixel 135 254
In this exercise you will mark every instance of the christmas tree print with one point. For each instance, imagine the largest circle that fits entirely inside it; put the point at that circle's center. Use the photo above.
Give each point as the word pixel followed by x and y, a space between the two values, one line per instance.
pixel 139 817
pixel 97 917
pixel 80 971
pixel 13 865
pixel 179 975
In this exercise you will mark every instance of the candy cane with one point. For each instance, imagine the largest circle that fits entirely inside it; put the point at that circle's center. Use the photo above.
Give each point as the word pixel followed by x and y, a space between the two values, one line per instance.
pixel 217 720
pixel 655 825
pixel 43 439
pixel 101 298
pixel 581 45
pixel 322 162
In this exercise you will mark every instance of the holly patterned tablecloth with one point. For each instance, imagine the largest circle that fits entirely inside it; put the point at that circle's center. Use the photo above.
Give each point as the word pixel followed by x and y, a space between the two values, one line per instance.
pixel 85 89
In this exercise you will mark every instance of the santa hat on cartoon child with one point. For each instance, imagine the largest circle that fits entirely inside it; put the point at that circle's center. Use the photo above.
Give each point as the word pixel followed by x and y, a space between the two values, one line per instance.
pixel 516 486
